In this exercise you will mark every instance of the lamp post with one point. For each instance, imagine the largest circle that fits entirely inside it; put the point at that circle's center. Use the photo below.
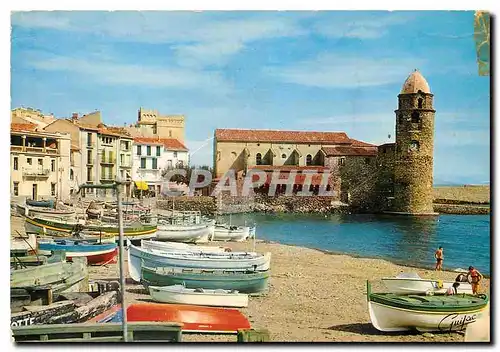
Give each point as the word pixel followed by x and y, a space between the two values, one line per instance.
pixel 116 185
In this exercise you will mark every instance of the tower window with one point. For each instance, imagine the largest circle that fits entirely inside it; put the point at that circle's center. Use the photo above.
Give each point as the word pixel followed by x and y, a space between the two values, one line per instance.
pixel 420 103
pixel 400 119
pixel 415 117
pixel 283 156
pixel 309 159
pixel 414 146
pixel 258 159
pixel 367 160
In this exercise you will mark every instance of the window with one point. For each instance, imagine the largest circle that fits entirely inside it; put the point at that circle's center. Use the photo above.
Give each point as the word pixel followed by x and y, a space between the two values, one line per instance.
pixel 384 150
pixel 16 188
pixel 16 165
pixel 29 161
pixel 420 103
pixel 52 165
pixel 414 146
pixel 400 119
pixel 309 159
pixel 155 163
pixel 367 161
pixel 89 174
pixel 283 156
pixel 415 117
pixel 143 163
pixel 258 159
pixel 89 139
pixel 89 157
pixel 52 189
pixel 148 150
pixel 341 161
pixel 180 164
pixel 170 133
pixel 71 174
pixel 158 150
pixel 40 162
pixel 175 154
pixel 154 129
pixel 139 152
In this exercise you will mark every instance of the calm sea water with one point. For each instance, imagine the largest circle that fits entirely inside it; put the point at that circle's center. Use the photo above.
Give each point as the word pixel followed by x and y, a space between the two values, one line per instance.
pixel 404 240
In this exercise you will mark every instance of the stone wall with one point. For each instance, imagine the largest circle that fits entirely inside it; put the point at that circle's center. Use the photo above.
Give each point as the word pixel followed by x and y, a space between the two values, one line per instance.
pixel 461 209
pixel 204 204
pixel 295 204
pixel 359 180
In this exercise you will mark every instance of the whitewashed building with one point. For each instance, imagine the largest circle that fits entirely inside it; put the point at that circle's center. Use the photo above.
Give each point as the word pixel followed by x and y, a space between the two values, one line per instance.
pixel 151 156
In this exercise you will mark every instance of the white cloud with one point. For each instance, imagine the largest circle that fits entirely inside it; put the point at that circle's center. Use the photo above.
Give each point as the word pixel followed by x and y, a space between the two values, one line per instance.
pixel 338 71
pixel 109 72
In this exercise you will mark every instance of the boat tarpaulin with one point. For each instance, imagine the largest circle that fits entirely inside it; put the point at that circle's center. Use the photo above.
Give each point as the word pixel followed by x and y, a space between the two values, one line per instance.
pixel 141 185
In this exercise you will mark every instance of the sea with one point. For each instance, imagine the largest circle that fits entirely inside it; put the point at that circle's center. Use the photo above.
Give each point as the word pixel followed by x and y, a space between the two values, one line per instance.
pixel 403 240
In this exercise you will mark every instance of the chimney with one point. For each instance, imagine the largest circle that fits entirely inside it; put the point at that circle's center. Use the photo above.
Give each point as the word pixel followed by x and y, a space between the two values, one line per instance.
pixel 74 116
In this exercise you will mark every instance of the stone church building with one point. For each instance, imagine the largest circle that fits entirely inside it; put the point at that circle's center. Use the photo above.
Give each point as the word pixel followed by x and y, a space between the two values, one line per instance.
pixel 393 177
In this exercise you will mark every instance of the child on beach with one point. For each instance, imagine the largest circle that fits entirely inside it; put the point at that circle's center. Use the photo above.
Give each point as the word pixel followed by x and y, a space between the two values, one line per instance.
pixel 474 277
pixel 453 289
pixel 439 258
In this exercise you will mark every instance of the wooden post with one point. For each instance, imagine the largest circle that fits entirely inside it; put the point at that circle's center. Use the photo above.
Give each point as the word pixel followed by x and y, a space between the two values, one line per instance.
pixel 253 335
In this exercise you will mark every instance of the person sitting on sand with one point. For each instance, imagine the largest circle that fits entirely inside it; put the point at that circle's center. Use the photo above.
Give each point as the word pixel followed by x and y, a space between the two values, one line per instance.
pixel 474 277
pixel 453 289
pixel 439 258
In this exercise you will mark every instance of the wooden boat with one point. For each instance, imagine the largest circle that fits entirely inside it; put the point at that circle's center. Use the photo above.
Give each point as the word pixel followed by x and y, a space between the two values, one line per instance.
pixel 412 283
pixel 177 246
pixel 133 231
pixel 29 211
pixel 230 233
pixel 197 233
pixel 152 258
pixel 179 294
pixel 242 281
pixel 391 312
pixel 193 318
pixel 40 203
pixel 62 276
pixel 95 252
pixel 23 243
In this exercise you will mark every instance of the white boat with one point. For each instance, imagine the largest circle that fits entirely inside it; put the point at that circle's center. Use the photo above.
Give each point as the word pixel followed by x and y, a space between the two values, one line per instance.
pixel 390 312
pixel 230 233
pixel 137 257
pixel 251 231
pixel 178 294
pixel 25 242
pixel 196 233
pixel 178 246
pixel 412 283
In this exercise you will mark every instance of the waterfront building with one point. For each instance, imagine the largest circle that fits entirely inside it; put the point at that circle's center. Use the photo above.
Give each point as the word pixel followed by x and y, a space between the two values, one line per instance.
pixel 40 163
pixel 99 153
pixel 151 124
pixel 23 115
pixel 152 156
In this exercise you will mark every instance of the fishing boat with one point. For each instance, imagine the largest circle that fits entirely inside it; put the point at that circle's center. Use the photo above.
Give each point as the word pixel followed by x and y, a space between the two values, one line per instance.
pixel 29 211
pixel 193 318
pixel 196 233
pixel 62 276
pixel 177 246
pixel 412 283
pixel 390 312
pixel 150 257
pixel 242 281
pixel 179 294
pixel 40 203
pixel 223 232
pixel 95 252
pixel 53 227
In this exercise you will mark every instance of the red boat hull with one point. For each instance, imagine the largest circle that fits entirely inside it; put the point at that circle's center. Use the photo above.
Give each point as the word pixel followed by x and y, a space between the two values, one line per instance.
pixel 99 259
pixel 193 318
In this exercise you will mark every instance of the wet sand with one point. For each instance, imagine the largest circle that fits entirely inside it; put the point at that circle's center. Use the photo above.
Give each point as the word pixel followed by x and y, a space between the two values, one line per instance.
pixel 313 296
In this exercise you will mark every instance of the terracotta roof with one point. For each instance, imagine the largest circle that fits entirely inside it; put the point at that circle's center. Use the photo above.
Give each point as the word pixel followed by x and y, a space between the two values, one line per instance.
pixel 82 125
pixel 241 135
pixel 356 143
pixel 114 131
pixel 169 143
pixel 349 151
pixel 23 127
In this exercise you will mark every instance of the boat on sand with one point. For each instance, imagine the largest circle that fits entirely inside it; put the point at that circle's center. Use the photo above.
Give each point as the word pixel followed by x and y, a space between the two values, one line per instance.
pixel 412 283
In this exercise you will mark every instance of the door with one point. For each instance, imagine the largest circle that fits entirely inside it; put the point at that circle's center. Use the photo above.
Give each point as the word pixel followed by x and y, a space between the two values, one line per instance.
pixel 35 191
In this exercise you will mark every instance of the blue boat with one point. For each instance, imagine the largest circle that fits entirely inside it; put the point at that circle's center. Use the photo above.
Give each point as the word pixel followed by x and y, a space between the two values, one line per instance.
pixel 40 203
pixel 245 282
pixel 95 252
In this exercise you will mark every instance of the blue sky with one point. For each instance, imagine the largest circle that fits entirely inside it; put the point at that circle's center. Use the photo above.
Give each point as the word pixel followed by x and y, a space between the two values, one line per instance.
pixel 324 71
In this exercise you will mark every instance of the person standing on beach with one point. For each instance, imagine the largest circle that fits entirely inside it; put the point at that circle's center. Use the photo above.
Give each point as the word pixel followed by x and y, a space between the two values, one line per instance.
pixel 439 258
pixel 474 277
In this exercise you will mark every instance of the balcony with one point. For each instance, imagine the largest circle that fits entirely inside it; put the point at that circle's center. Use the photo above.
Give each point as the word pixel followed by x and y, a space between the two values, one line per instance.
pixel 36 172
pixel 126 165
pixel 108 160
pixel 35 150
pixel 108 178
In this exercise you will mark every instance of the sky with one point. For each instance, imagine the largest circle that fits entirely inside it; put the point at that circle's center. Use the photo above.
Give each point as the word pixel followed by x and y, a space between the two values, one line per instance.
pixel 317 70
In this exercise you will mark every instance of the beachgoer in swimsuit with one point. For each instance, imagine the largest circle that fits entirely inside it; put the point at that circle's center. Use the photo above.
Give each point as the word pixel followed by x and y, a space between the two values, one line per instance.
pixel 475 277
pixel 439 258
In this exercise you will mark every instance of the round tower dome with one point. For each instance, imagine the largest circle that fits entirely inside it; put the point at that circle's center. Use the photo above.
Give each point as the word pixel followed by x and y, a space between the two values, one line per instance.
pixel 414 83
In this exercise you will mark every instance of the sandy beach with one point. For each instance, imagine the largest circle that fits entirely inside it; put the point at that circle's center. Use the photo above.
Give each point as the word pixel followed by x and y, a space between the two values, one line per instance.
pixel 313 296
